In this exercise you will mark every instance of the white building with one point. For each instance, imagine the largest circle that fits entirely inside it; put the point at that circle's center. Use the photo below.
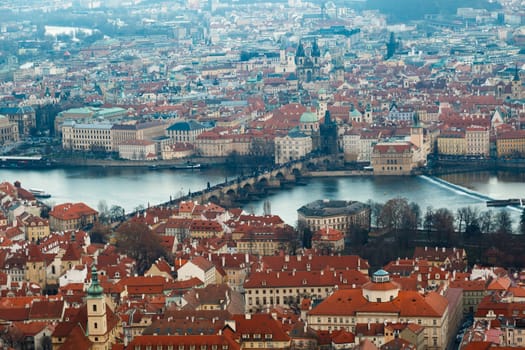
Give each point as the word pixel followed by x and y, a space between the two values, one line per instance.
pixel 137 150
pixel 294 145
pixel 200 268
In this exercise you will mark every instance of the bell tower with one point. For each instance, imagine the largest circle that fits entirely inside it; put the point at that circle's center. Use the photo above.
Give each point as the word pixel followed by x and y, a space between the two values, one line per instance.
pixel 96 310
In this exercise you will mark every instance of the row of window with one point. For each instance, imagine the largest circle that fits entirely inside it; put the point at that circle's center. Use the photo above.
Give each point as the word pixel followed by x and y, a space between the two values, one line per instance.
pixel 182 347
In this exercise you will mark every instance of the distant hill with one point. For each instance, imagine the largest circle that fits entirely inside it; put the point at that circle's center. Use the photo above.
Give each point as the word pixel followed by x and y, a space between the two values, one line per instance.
pixel 405 10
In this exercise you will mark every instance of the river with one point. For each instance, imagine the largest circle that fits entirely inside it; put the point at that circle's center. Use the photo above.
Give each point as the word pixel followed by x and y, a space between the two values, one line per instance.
pixel 131 188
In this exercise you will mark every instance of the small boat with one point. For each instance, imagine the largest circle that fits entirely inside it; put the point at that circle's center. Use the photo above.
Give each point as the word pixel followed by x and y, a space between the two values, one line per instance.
pixel 39 193
pixel 188 165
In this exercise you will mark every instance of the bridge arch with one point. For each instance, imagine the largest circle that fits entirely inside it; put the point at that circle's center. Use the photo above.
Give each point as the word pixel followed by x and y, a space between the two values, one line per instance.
pixel 214 199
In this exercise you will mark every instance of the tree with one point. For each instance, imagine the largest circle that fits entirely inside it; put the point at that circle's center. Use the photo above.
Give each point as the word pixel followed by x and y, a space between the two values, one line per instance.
pixel 396 214
pixel 467 217
pixel 443 225
pixel 375 212
pixel 486 221
pixel 137 241
pixel 103 211
pixel 416 211
pixel 428 221
pixel 116 213
pixel 503 222
pixel 100 232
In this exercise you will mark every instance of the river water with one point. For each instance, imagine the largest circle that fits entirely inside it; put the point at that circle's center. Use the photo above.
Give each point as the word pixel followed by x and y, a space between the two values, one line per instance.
pixel 131 187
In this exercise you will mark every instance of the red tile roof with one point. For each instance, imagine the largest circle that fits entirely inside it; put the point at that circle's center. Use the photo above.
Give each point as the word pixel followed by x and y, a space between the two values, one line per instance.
pixel 71 211
pixel 407 304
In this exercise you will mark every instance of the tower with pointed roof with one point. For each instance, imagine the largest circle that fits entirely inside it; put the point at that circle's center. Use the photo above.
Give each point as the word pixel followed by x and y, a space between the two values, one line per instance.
pixel 516 85
pixel 307 62
pixel 416 132
pixel 97 329
pixel 328 135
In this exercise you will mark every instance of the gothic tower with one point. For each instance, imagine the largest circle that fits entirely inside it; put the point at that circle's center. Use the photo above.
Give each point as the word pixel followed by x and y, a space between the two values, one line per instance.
pixel 516 85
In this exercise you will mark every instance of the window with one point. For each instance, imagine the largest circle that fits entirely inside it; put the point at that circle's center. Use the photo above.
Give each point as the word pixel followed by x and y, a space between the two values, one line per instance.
pixel 95 325
pixel 94 307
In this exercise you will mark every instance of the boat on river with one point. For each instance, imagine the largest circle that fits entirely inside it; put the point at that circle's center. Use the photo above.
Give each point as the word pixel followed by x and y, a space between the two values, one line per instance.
pixel 38 193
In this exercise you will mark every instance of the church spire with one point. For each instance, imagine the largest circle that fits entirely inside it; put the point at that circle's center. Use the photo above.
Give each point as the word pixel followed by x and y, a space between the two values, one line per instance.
pixel 95 290
pixel 516 74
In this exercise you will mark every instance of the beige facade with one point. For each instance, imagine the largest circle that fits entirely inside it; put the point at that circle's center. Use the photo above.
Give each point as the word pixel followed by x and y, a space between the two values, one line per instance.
pixel 137 150
pixel 382 301
pixel 8 131
pixel 335 214
pixel 288 288
pixel 293 146
pixel 211 144
pixel 71 216
pixel 36 228
pixel 477 141
pixel 452 144
pixel 511 144
pixel 137 131
pixel 393 158
pixel 86 137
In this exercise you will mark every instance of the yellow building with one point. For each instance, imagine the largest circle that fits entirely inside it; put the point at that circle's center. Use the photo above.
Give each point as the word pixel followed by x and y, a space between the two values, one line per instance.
pixel 393 158
pixel 71 216
pixel 35 271
pixel 35 228
pixel 511 144
pixel 8 130
pixel 205 229
pixel 452 143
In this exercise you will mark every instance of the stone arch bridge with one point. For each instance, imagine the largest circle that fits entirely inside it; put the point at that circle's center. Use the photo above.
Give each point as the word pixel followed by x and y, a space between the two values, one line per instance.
pixel 249 187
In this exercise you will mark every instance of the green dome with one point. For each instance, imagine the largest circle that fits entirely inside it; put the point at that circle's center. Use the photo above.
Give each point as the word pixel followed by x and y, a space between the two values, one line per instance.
pixel 308 117
pixel 94 290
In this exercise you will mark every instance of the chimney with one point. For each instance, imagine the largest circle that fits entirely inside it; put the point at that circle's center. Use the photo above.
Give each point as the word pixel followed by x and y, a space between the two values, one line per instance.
pixel 246 258
pixel 223 261
pixel 426 248
pixel 444 249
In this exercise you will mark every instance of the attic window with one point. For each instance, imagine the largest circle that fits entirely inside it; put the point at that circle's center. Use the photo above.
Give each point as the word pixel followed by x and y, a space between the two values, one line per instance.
pixel 304 281
pixel 268 336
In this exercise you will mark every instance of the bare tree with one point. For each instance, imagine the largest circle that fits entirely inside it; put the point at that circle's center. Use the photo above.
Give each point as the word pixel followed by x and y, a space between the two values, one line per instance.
pixel 443 225
pixel 137 241
pixel 503 222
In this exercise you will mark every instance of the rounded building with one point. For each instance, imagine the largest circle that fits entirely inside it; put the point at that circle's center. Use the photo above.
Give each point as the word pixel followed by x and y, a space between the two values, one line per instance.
pixel 337 214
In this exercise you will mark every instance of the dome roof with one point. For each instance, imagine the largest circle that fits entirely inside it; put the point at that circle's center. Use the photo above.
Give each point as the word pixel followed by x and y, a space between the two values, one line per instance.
pixel 95 290
pixel 308 117
pixel 380 272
